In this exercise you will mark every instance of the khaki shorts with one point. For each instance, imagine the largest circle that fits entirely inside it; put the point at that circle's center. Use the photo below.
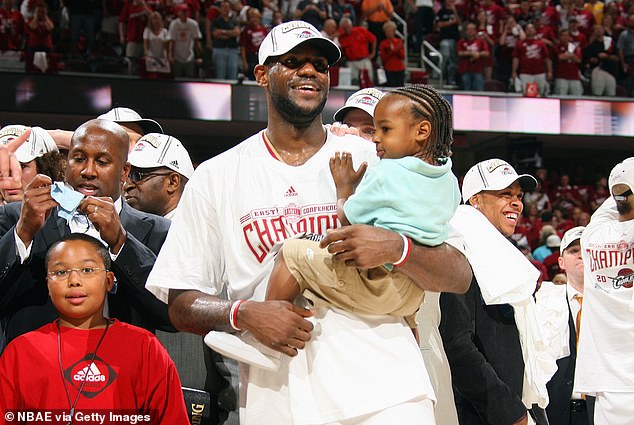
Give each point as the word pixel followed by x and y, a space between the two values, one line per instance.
pixel 325 280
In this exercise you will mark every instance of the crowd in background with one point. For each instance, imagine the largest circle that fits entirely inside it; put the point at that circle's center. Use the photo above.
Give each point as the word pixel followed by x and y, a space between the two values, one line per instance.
pixel 566 47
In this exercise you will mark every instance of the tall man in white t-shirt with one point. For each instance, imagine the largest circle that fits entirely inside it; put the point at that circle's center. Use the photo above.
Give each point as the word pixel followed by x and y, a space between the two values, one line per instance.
pixel 184 43
pixel 605 364
pixel 271 186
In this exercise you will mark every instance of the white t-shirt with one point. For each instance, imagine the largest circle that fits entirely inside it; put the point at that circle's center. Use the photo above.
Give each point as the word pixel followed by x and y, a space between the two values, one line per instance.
pixel 183 35
pixel 156 42
pixel 234 209
pixel 606 342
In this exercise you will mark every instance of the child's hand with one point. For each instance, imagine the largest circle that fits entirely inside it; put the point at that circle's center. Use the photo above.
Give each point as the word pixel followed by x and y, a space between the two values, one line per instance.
pixel 346 179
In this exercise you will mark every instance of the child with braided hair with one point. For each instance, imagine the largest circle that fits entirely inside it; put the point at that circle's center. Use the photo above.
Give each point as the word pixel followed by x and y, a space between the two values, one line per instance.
pixel 411 190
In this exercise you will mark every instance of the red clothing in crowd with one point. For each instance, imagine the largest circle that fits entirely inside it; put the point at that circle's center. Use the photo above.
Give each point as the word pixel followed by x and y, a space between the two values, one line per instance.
pixel 532 54
pixel 11 29
pixel 466 64
pixel 579 39
pixel 550 18
pixel 585 19
pixel 392 52
pixel 495 15
pixel 41 37
pixel 355 46
pixel 251 38
pixel 131 371
pixel 567 69
pixel 135 17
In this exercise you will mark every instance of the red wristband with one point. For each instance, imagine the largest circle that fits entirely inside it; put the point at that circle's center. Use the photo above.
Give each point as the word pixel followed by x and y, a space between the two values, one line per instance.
pixel 233 314
pixel 407 248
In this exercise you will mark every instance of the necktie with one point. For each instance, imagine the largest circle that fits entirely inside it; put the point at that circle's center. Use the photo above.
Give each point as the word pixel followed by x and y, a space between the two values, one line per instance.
pixel 579 299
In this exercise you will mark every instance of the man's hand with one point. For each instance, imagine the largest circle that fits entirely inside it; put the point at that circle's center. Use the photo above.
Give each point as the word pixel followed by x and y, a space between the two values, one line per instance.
pixel 103 215
pixel 10 169
pixel 339 129
pixel 364 246
pixel 346 179
pixel 280 325
pixel 36 206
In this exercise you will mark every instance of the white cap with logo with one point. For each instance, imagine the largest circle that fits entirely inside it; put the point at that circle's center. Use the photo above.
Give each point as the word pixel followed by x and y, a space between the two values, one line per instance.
pixel 38 143
pixel 127 115
pixel 160 150
pixel 622 173
pixel 364 99
pixel 286 36
pixel 570 236
pixel 493 174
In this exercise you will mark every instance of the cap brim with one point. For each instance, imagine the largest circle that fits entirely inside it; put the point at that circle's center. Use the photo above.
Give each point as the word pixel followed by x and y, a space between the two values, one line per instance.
pixel 148 125
pixel 527 182
pixel 341 112
pixel 330 49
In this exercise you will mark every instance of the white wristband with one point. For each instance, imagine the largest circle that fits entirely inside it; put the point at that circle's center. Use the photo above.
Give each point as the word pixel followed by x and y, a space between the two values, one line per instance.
pixel 407 247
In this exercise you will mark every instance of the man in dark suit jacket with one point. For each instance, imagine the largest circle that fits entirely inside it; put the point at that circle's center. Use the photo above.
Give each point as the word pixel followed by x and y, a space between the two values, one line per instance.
pixel 564 407
pixel 97 165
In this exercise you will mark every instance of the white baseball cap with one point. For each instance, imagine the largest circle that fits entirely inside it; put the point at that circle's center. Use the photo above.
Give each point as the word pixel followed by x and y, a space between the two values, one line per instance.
pixel 493 174
pixel 286 36
pixel 622 173
pixel 160 150
pixel 553 241
pixel 364 99
pixel 127 115
pixel 38 143
pixel 570 236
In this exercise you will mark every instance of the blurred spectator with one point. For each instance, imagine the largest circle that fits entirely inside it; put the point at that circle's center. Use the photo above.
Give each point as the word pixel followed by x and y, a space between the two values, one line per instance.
pixel 564 9
pixel 376 13
pixel 268 9
pixel 530 224
pixel 424 19
pixel 155 45
pixel 486 32
pixel 330 31
pixel 549 16
pixel 531 61
pixel 472 52
pixel 358 46
pixel 81 14
pixel 250 39
pixel 343 9
pixel 550 245
pixel 626 54
pixel 11 27
pixel 512 32
pixel 565 196
pixel 538 197
pixel 225 52
pixel 595 7
pixel 601 58
pixel 585 18
pixel 111 9
pixel 448 25
pixel 27 9
pixel 567 68
pixel 576 36
pixel 184 43
pixel 525 14
pixel 598 194
pixel 132 22
pixel 312 11
pixel 40 30
pixel 393 56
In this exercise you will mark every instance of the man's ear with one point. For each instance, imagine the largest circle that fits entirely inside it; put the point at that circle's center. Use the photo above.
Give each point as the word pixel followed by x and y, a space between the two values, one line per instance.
pixel 261 75
pixel 174 182
pixel 475 201
pixel 125 172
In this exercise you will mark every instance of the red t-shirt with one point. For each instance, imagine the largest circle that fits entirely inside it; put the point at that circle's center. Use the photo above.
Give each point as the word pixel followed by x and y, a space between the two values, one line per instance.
pixel 585 20
pixel 392 52
pixel 131 371
pixel 495 14
pixel 355 46
pixel 579 39
pixel 567 69
pixel 135 17
pixel 40 37
pixel 532 55
pixel 475 45
pixel 251 38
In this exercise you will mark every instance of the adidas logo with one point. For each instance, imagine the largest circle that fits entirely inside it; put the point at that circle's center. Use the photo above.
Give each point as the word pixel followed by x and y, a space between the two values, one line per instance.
pixel 290 192
pixel 174 163
pixel 89 374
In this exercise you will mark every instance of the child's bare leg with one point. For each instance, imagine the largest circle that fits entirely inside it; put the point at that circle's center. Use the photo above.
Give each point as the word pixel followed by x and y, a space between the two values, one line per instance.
pixel 282 285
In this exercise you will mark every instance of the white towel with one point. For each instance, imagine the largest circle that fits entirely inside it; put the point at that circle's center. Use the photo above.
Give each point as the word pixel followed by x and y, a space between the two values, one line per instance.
pixel 40 61
pixel 505 276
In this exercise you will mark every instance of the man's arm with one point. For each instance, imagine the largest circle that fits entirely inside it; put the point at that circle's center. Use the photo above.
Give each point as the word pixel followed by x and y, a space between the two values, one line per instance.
pixel 277 324
pixel 440 268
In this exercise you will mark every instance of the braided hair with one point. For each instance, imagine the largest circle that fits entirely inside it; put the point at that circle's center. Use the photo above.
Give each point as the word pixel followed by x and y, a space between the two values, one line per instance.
pixel 430 105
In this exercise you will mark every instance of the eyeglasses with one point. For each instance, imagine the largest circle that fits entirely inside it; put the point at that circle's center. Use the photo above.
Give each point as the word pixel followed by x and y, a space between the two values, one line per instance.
pixel 293 62
pixel 84 272
pixel 137 176
pixel 623 196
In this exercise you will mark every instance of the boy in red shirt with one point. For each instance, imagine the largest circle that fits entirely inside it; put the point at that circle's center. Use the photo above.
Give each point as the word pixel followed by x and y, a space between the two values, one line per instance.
pixel 84 364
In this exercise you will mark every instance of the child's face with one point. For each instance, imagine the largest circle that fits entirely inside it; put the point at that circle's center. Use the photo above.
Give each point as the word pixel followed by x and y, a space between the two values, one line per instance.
pixel 397 134
pixel 79 295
